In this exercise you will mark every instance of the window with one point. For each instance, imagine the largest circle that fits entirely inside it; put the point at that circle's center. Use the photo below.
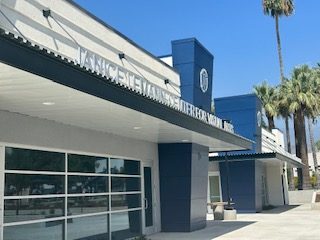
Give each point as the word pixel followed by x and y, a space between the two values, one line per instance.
pixel 34 160
pixel 125 224
pixel 121 166
pixel 94 227
pixel 87 164
pixel 87 204
pixel 41 230
pixel 45 200
pixel 21 184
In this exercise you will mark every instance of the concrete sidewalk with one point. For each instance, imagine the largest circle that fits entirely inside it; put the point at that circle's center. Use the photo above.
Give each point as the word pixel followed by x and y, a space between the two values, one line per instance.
pixel 288 222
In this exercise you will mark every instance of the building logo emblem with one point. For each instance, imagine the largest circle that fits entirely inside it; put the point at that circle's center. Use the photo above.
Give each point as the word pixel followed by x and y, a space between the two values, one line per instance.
pixel 259 118
pixel 204 80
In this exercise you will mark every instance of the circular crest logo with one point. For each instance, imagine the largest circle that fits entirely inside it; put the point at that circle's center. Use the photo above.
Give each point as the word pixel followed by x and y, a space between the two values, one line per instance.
pixel 204 80
pixel 259 118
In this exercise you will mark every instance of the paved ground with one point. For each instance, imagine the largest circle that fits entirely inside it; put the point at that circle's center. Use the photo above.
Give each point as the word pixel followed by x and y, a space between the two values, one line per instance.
pixel 290 222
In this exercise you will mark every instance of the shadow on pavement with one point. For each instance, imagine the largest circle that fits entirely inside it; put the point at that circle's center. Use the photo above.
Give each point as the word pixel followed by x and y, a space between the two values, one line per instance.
pixel 280 209
pixel 214 229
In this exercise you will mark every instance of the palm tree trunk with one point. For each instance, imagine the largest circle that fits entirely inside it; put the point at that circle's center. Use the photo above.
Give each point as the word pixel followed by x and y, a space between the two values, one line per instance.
pixel 286 120
pixel 289 169
pixel 301 149
pixel 270 122
pixel 279 48
pixel 314 152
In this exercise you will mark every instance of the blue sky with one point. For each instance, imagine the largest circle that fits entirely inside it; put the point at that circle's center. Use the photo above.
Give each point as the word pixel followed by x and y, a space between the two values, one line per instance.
pixel 241 38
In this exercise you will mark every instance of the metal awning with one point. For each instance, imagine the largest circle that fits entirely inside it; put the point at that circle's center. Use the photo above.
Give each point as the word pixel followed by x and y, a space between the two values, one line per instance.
pixel 268 157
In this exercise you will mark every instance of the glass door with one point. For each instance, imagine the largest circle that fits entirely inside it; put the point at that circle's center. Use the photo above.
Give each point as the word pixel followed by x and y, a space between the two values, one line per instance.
pixel 148 199
pixel 214 188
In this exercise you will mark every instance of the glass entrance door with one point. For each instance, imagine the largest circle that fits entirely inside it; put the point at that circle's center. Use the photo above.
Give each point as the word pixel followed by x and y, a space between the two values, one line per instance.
pixel 148 200
pixel 214 188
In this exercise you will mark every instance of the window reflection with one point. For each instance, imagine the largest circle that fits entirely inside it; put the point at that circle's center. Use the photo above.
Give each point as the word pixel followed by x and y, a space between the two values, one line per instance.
pixel 33 184
pixel 31 209
pixel 125 224
pixel 87 184
pixel 89 228
pixel 44 230
pixel 87 204
pixel 120 202
pixel 34 160
pixel 87 164
pixel 121 166
pixel 125 184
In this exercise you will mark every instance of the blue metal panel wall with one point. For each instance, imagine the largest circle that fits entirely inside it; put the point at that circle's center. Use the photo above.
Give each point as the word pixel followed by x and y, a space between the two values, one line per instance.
pixel 183 170
pixel 242 184
pixel 242 111
pixel 189 57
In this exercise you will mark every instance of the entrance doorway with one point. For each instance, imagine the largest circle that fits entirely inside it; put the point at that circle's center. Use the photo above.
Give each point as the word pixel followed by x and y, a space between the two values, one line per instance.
pixel 214 188
pixel 148 186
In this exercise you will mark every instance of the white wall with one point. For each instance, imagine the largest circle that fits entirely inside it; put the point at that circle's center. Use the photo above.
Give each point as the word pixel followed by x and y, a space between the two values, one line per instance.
pixel 21 129
pixel 278 137
pixel 301 196
pixel 311 161
pixel 214 167
pixel 73 28
pixel 168 60
pixel 274 172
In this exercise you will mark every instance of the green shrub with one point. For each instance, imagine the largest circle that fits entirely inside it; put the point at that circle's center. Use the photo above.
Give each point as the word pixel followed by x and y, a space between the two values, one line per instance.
pixel 313 181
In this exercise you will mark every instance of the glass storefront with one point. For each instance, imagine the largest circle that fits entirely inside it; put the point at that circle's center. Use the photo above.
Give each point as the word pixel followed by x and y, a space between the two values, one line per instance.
pixel 56 195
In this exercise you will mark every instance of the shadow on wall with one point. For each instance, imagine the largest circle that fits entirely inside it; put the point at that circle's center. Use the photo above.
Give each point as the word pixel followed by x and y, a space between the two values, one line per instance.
pixel 58 38
pixel 214 229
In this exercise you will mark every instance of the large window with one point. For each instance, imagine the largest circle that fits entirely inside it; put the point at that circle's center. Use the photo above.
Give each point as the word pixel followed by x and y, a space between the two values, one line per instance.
pixel 54 195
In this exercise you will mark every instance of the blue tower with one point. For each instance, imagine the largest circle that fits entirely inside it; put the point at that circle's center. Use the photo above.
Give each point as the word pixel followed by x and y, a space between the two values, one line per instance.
pixel 195 66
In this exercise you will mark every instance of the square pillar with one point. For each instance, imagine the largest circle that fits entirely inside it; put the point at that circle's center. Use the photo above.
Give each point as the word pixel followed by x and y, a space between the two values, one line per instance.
pixel 183 186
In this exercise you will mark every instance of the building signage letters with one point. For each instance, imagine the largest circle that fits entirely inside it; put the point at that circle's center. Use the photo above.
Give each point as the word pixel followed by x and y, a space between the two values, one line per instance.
pixel 122 76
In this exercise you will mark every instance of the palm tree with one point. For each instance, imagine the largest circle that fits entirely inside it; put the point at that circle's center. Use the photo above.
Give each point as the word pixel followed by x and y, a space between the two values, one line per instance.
pixel 276 9
pixel 285 114
pixel 312 115
pixel 314 151
pixel 318 145
pixel 301 99
pixel 268 97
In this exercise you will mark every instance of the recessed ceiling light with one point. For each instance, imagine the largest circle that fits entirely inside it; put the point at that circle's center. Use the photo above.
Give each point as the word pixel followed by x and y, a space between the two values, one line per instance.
pixel 136 128
pixel 48 103
pixel 184 140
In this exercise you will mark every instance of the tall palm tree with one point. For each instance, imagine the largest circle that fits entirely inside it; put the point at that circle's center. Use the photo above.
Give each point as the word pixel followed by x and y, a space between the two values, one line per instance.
pixel 277 9
pixel 301 100
pixel 312 114
pixel 285 114
pixel 318 145
pixel 268 97
pixel 314 151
